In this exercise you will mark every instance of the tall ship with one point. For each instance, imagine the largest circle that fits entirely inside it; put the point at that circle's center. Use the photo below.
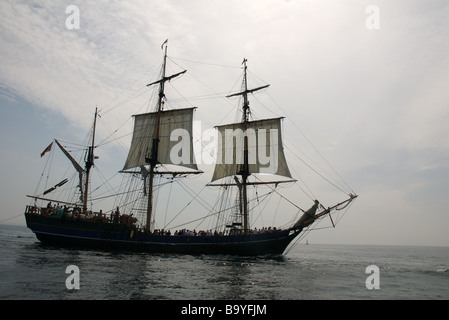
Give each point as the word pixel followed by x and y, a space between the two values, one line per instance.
pixel 161 151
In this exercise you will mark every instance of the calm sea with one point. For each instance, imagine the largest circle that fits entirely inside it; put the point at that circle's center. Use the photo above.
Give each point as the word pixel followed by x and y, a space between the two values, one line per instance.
pixel 29 270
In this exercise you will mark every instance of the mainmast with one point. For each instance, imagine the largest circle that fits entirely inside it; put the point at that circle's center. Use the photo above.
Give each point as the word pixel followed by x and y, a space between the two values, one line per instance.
pixel 89 163
pixel 154 150
pixel 153 159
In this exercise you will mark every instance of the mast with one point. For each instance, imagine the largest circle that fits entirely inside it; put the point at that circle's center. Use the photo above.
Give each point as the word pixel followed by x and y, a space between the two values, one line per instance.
pixel 89 163
pixel 153 159
pixel 245 170
pixel 154 150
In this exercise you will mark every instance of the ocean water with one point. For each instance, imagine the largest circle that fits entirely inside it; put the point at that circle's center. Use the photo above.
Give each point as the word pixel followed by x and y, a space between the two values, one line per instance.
pixel 31 271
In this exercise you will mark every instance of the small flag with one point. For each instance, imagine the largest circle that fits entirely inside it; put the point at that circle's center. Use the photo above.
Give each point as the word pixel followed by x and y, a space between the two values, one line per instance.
pixel 46 150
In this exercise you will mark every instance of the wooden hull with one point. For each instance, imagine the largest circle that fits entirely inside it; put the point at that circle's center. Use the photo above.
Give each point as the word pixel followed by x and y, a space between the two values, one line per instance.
pixel 123 237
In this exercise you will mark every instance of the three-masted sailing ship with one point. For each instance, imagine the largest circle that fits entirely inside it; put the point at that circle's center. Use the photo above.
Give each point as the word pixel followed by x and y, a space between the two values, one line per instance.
pixel 245 149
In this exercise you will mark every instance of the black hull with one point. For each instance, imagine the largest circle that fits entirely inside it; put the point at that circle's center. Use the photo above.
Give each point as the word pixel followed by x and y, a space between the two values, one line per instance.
pixel 123 237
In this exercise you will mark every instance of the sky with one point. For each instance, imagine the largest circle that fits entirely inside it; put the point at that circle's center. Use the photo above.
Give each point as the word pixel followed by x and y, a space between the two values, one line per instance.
pixel 364 82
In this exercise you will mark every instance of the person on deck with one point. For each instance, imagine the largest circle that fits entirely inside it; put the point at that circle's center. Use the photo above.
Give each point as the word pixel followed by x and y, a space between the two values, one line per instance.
pixel 117 215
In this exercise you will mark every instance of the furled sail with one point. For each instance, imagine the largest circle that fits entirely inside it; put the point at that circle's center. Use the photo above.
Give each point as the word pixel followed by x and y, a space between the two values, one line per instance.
pixel 265 150
pixel 175 144
pixel 308 217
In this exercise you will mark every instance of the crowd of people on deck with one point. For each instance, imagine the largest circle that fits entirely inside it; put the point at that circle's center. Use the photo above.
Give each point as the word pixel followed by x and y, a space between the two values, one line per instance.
pixel 76 212
pixel 116 217
pixel 234 231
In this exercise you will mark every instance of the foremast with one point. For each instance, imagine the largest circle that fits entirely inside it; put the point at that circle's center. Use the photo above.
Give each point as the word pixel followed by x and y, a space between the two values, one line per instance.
pixel 245 172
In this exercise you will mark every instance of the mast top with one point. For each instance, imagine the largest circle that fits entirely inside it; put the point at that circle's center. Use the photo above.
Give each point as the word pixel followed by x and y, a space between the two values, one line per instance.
pixel 244 93
pixel 164 77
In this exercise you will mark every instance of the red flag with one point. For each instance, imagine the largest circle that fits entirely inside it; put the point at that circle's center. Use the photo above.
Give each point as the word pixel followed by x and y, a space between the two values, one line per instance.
pixel 46 150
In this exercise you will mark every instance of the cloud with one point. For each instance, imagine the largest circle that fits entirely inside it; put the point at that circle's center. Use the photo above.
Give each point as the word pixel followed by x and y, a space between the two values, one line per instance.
pixel 71 71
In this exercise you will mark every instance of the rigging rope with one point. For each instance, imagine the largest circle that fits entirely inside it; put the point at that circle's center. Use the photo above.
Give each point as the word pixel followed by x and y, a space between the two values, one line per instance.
pixel 274 190
pixel 315 148
pixel 10 218
pixel 205 63
pixel 314 170
pixel 168 202
pixel 276 211
pixel 193 198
